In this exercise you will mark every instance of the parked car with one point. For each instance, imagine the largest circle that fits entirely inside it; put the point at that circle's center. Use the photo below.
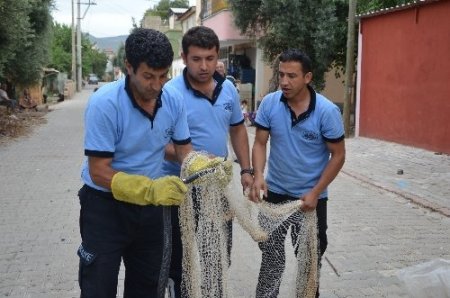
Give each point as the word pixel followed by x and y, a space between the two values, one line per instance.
pixel 93 79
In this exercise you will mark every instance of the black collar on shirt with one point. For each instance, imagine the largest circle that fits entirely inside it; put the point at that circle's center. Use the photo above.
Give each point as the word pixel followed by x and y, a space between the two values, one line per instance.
pixel 216 76
pixel 133 101
pixel 303 116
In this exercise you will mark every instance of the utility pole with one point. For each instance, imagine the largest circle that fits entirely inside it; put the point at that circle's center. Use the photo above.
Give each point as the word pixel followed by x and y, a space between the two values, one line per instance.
pixel 349 65
pixel 74 51
pixel 79 62
pixel 79 65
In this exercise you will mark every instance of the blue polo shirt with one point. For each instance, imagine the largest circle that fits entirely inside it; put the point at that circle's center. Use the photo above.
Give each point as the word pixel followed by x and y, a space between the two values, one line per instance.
pixel 209 119
pixel 116 127
pixel 298 151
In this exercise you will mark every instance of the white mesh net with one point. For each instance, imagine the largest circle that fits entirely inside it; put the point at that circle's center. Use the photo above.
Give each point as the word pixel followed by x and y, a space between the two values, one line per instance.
pixel 204 221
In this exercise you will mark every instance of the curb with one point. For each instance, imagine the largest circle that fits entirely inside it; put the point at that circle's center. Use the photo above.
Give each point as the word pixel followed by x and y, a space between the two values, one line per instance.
pixel 422 202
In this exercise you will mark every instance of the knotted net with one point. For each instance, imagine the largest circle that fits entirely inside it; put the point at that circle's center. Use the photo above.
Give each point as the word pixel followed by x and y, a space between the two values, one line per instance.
pixel 204 220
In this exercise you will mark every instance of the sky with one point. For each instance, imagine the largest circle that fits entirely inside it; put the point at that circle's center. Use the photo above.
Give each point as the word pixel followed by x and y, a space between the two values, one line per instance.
pixel 106 18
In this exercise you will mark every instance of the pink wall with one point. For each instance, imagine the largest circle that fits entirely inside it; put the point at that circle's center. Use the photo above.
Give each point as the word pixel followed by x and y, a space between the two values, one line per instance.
pixel 222 23
pixel 405 77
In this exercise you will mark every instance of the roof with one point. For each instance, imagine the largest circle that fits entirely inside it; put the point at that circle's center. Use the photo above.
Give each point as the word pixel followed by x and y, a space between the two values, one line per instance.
pixel 415 3
pixel 187 13
pixel 177 11
pixel 49 70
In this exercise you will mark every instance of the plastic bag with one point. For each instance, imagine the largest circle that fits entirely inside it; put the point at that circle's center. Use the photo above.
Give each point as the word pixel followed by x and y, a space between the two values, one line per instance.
pixel 430 279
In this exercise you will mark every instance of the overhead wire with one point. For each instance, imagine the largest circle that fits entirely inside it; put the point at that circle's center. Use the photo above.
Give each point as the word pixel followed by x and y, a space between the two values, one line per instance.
pixel 111 7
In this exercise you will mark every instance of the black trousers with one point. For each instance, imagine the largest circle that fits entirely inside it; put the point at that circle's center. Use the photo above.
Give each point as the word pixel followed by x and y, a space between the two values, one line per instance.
pixel 112 231
pixel 272 267
pixel 176 268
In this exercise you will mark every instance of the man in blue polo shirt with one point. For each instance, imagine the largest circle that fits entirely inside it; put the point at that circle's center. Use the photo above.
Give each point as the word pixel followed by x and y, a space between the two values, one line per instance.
pixel 213 112
pixel 307 151
pixel 127 126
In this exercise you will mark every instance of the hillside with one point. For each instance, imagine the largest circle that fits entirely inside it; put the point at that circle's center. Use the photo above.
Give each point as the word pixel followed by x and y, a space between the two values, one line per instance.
pixel 108 43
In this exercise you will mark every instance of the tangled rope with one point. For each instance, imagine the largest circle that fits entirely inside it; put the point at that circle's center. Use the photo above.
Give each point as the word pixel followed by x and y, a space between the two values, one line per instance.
pixel 203 220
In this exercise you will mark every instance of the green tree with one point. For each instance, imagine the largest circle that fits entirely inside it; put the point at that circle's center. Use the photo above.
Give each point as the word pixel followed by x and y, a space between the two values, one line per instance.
pixel 162 8
pixel 61 48
pixel 316 27
pixel 14 30
pixel 119 59
pixel 93 60
pixel 25 39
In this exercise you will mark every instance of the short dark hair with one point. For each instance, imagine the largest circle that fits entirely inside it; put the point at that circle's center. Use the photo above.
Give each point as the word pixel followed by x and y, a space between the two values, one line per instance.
pixel 298 56
pixel 200 36
pixel 149 46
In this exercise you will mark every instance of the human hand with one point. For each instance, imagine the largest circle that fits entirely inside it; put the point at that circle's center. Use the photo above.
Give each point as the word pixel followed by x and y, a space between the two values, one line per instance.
pixel 309 202
pixel 167 191
pixel 224 174
pixel 202 162
pixel 141 190
pixel 259 185
pixel 246 182
pixel 207 169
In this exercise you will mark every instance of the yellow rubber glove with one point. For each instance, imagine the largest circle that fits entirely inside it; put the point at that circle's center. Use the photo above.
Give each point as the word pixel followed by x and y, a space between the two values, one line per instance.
pixel 228 167
pixel 202 162
pixel 141 190
pixel 228 172
pixel 222 175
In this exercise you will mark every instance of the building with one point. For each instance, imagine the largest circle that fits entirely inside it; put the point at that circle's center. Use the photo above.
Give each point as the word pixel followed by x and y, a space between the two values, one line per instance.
pixel 242 59
pixel 173 30
pixel 403 75
pixel 174 13
pixel 240 54
pixel 187 20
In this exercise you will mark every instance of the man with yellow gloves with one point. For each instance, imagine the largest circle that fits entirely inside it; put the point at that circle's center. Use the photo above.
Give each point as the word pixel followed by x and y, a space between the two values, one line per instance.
pixel 127 126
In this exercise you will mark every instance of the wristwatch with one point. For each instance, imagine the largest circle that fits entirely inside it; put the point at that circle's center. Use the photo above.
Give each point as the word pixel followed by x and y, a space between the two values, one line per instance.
pixel 247 171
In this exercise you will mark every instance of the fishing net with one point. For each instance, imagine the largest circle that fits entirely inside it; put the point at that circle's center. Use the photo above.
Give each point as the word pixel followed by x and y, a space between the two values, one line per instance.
pixel 204 221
